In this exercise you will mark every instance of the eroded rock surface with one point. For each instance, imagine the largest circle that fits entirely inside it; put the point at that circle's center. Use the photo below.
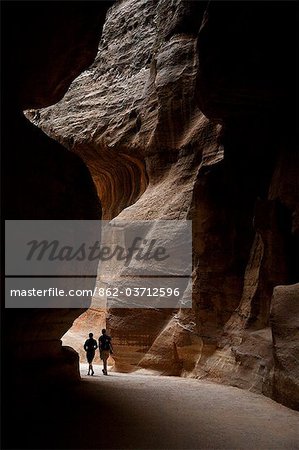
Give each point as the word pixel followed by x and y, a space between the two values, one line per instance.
pixel 285 328
pixel 175 121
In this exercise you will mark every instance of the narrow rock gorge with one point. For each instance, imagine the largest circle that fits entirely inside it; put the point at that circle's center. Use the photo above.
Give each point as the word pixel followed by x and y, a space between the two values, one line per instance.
pixel 177 110
pixel 188 112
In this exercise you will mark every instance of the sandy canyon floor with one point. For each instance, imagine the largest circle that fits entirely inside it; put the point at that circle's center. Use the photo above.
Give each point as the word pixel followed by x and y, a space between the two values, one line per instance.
pixel 135 411
pixel 139 411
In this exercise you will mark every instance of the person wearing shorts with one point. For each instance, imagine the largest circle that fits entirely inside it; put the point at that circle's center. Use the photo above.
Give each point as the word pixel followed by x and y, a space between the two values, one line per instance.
pixel 90 347
pixel 105 347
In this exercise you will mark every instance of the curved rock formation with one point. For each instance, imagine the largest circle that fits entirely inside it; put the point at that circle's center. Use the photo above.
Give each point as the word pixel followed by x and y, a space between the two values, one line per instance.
pixel 176 121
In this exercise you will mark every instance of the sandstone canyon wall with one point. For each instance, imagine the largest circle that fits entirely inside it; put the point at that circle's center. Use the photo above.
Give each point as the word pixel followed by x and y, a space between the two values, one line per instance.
pixel 188 113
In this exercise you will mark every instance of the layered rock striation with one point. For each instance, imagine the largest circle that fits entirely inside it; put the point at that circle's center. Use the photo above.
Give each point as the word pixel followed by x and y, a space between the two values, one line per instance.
pixel 176 121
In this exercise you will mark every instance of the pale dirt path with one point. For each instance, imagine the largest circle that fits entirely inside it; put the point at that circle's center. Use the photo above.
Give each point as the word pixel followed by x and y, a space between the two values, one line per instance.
pixel 154 412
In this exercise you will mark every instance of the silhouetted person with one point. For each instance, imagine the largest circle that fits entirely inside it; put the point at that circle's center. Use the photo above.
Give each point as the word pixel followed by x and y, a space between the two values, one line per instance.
pixel 90 347
pixel 105 347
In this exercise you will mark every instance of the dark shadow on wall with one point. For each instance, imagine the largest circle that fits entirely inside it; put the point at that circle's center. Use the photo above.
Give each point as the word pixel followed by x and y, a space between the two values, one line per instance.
pixel 44 45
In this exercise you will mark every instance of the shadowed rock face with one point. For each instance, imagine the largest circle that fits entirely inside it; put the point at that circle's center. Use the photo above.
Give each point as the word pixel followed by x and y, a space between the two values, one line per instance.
pixel 45 45
pixel 285 323
pixel 187 112
pixel 242 87
pixel 244 66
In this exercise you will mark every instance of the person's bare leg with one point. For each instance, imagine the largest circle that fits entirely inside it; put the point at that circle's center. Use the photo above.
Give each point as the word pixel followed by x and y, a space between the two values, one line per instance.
pixel 92 372
pixel 104 366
